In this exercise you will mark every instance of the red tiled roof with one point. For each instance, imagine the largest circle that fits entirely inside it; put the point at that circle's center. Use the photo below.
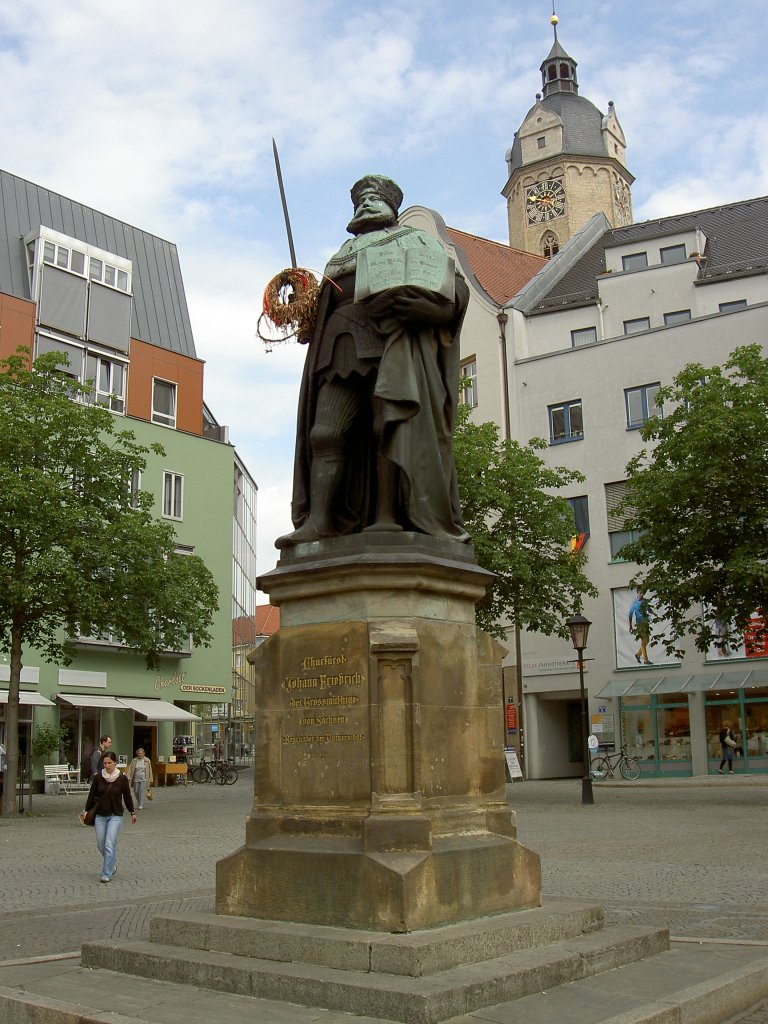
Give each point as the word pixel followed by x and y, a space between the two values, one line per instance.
pixel 500 270
pixel 265 622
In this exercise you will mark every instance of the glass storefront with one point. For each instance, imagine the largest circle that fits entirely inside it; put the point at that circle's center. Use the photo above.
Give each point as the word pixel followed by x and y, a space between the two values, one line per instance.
pixel 657 731
pixel 746 712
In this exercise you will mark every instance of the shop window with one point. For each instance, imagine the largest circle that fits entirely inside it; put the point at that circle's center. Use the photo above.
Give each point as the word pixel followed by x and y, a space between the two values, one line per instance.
pixel 565 422
pixel 163 402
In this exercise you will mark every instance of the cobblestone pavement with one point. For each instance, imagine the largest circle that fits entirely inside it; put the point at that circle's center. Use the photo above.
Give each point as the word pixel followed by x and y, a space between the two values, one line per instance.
pixel 685 856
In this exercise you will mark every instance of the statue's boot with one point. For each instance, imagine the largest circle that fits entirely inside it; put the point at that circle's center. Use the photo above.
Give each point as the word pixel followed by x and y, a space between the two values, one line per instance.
pixel 385 522
pixel 325 476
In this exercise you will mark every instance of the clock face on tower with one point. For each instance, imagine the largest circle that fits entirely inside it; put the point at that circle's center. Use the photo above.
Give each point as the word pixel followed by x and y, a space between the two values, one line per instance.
pixel 545 201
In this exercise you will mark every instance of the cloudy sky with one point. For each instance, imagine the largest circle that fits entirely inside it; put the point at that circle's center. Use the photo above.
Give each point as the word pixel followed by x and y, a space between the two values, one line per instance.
pixel 161 113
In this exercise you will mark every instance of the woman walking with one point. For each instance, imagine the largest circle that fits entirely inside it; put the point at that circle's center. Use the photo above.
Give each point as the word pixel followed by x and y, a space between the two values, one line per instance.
pixel 727 747
pixel 140 777
pixel 109 791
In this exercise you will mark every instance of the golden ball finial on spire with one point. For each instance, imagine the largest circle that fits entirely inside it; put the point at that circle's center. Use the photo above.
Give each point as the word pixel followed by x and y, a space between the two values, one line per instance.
pixel 554 20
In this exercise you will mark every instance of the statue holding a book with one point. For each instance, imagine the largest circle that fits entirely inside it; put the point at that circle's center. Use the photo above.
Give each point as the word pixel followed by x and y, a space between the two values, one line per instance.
pixel 380 387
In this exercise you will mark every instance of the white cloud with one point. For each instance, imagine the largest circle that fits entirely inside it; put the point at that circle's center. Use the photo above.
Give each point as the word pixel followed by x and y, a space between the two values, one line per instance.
pixel 170 128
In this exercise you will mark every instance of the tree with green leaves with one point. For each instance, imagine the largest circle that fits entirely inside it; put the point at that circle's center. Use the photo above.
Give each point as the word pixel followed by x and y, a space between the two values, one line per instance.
pixel 521 530
pixel 80 550
pixel 699 501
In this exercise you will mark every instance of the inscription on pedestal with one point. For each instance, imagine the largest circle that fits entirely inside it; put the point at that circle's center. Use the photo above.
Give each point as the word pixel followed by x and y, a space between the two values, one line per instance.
pixel 324 720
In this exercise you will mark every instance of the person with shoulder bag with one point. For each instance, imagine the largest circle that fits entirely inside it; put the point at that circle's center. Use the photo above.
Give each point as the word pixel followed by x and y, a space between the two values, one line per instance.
pixel 140 778
pixel 727 746
pixel 110 792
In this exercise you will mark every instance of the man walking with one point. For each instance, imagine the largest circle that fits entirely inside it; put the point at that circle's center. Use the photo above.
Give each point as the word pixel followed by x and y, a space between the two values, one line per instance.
pixel 97 757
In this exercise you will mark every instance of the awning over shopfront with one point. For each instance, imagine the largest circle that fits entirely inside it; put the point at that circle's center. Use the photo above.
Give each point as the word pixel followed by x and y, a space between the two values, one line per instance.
pixel 158 710
pixel 26 697
pixel 90 700
pixel 714 681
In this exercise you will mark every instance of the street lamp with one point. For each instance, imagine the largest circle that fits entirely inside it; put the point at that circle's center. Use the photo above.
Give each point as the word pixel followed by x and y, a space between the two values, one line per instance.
pixel 579 627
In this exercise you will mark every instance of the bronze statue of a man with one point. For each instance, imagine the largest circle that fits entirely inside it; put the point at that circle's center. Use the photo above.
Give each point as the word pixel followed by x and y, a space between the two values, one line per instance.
pixel 380 387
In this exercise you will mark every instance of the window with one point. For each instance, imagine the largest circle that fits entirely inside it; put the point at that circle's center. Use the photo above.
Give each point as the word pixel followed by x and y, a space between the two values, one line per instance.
pixel 641 404
pixel 580 509
pixel 634 261
pixel 619 539
pixel 731 307
pixel 105 273
pixel 163 402
pixel 678 316
pixel 565 423
pixel 642 323
pixel 108 380
pixel 173 496
pixel 672 254
pixel 63 257
pixel 134 486
pixel 550 245
pixel 583 336
pixel 541 142
pixel 469 383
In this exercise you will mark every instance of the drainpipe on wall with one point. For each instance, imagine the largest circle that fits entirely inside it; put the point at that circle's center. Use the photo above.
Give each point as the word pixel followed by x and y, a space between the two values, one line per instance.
pixel 503 319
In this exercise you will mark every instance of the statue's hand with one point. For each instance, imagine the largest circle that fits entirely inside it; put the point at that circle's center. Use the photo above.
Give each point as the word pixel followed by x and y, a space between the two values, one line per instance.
pixel 413 305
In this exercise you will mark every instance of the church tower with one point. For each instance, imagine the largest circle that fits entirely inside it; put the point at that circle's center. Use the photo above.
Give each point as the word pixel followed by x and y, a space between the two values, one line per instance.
pixel 567 162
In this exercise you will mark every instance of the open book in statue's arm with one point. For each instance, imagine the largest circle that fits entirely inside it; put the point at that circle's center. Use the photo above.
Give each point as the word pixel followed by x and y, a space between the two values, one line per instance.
pixel 380 267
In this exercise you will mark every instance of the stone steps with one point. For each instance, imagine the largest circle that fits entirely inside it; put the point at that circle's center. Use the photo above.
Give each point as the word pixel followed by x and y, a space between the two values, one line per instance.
pixel 691 984
pixel 417 978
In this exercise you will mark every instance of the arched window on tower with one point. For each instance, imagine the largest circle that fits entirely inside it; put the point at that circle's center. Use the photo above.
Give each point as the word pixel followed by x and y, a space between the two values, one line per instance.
pixel 550 244
pixel 565 71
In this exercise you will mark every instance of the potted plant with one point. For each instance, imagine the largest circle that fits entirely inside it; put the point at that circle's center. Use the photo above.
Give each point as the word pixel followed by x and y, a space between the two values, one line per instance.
pixel 47 742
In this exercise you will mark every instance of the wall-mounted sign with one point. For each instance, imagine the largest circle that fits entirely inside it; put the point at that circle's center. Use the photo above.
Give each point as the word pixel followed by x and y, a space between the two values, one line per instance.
pixel 553 666
pixel 190 688
pixel 511 715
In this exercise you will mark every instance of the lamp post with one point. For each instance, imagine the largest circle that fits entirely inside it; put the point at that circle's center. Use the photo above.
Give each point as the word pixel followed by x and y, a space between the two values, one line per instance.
pixel 579 627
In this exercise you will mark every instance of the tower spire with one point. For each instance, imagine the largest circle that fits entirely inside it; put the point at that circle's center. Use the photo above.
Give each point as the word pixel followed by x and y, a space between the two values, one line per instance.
pixel 558 71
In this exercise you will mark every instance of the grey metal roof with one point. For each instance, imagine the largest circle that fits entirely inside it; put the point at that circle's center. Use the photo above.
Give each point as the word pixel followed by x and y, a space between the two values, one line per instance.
pixel 160 315
pixel 737 243
pixel 582 127
pixel 557 53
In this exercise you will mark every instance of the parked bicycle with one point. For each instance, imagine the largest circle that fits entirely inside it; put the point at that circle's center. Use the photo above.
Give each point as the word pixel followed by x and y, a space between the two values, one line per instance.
pixel 220 772
pixel 606 765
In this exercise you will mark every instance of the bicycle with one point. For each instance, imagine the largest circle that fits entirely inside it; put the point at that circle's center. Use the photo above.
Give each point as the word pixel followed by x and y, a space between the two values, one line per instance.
pixel 206 771
pixel 220 772
pixel 227 773
pixel 606 765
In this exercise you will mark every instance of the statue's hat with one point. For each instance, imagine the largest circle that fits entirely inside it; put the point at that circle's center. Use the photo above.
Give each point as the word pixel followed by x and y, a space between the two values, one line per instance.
pixel 387 189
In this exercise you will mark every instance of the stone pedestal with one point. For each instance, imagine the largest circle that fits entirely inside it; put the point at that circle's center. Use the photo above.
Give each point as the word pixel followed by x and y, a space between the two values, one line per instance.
pixel 379 776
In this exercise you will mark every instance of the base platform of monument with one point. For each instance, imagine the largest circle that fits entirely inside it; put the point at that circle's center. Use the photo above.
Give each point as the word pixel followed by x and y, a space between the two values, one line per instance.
pixel 420 978
pixel 379 784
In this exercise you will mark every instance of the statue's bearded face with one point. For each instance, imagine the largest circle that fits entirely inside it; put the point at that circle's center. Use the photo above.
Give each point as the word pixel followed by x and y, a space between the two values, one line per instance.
pixel 371 212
